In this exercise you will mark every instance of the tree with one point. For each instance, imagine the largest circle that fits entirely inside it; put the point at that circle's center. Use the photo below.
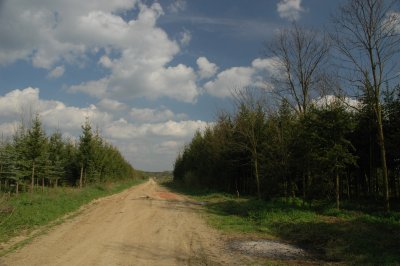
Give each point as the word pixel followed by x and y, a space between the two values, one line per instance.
pixel 56 157
pixel 328 128
pixel 367 37
pixel 36 141
pixel 283 125
pixel 85 149
pixel 301 56
pixel 249 126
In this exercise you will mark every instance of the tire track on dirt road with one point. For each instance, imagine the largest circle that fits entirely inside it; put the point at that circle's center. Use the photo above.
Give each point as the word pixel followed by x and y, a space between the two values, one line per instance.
pixel 144 225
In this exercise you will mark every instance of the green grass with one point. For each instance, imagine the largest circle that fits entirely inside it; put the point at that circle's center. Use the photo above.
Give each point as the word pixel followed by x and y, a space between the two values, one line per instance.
pixel 349 236
pixel 26 212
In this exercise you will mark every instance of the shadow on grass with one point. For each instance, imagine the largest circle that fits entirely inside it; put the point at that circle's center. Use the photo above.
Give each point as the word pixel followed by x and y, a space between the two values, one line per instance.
pixel 358 238
pixel 353 236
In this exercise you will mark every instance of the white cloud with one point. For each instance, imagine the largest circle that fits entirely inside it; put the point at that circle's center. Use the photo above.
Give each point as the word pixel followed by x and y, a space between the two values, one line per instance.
pixel 239 77
pixel 330 99
pixel 137 53
pixel 8 128
pixel 177 6
pixel 13 102
pixel 122 129
pixel 48 31
pixel 141 70
pixel 229 80
pixel 185 38
pixel 95 88
pixel 56 72
pixel 206 68
pixel 112 105
pixel 153 115
pixel 290 9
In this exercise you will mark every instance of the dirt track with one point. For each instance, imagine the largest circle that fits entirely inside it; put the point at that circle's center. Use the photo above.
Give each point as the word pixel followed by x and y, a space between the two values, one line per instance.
pixel 145 225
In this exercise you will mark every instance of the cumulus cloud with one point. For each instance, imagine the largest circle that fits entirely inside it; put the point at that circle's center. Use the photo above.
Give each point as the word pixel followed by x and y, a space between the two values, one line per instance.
pixel 56 72
pixel 206 68
pixel 149 138
pixel 145 50
pixel 238 77
pixel 290 9
pixel 137 53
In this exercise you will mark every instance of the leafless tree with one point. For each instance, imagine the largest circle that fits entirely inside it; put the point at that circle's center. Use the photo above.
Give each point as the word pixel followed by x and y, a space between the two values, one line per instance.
pixel 367 36
pixel 301 56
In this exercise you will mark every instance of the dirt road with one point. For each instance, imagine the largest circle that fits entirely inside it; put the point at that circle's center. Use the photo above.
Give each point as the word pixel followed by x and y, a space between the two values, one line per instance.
pixel 144 225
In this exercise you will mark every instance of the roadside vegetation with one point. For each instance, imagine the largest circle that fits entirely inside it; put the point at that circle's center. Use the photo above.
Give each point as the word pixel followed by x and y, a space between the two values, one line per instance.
pixel 313 158
pixel 42 177
pixel 28 212
pixel 355 234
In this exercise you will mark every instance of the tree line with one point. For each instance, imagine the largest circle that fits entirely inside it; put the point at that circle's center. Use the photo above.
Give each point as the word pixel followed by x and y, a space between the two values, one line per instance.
pixel 311 141
pixel 31 160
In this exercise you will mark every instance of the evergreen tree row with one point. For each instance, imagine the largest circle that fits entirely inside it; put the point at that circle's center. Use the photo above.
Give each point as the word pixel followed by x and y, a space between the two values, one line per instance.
pixel 30 159
pixel 329 153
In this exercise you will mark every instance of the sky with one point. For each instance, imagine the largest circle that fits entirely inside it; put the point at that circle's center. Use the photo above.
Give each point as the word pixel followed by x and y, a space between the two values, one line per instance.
pixel 147 74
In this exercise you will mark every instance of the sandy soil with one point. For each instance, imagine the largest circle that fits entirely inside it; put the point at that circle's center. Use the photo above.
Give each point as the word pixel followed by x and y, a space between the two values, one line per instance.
pixel 145 225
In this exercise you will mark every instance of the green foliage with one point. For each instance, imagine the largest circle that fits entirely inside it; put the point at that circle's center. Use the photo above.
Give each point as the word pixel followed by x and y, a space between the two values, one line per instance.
pixel 329 153
pixel 30 156
pixel 347 235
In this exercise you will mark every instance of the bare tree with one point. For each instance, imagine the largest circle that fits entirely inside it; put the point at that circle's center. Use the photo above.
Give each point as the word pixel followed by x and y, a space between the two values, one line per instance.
pixel 301 55
pixel 366 35
pixel 249 124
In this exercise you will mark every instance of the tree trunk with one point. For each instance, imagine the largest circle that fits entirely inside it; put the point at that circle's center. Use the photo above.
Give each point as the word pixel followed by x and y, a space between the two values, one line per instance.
pixel 16 187
pixel 84 177
pixel 285 188
pixel 257 177
pixel 56 183
pixel 293 188
pixel 42 184
pixel 337 190
pixel 348 186
pixel 381 142
pixel 81 177
pixel 304 188
pixel 33 177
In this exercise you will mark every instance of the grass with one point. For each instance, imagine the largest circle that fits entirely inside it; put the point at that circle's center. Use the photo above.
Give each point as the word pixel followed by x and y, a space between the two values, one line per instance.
pixel 26 212
pixel 349 236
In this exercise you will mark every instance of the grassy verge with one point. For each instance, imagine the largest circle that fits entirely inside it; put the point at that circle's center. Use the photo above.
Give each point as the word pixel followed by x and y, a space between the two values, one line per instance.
pixel 29 211
pixel 349 236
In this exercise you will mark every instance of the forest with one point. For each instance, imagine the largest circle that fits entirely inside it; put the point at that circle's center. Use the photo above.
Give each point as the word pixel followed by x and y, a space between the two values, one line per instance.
pixel 324 127
pixel 30 160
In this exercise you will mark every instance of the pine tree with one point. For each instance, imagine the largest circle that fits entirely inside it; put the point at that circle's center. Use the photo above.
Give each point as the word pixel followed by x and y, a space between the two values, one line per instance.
pixel 85 149
pixel 56 157
pixel 36 144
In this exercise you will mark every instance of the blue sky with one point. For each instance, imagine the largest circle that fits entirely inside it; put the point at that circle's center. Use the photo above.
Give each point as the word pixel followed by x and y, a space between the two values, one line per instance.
pixel 147 73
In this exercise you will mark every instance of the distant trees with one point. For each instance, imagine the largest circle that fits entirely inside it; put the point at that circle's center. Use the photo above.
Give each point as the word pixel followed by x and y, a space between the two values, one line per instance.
pixel 30 155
